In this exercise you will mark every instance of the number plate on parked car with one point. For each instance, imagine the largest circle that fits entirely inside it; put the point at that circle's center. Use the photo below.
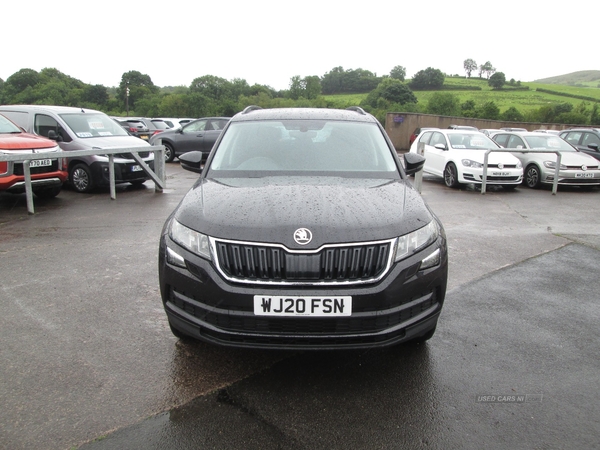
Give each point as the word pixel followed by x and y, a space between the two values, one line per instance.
pixel 501 174
pixel 136 168
pixel 584 175
pixel 272 305
pixel 40 162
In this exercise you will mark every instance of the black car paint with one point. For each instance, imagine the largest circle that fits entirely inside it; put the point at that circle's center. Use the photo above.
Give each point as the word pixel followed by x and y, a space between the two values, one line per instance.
pixel 201 303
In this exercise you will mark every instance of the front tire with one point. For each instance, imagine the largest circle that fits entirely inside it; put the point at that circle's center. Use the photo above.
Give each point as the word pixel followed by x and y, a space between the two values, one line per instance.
pixel 451 176
pixel 533 177
pixel 80 177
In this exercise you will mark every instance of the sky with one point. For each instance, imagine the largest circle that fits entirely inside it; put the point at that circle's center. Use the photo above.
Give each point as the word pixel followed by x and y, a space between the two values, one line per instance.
pixel 269 42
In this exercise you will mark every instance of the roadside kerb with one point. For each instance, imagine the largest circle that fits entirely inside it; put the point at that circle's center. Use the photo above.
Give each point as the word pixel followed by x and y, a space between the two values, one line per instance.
pixel 520 150
pixel 158 175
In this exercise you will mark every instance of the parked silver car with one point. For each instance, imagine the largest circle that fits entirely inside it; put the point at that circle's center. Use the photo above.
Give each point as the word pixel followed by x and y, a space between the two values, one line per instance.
pixel 576 168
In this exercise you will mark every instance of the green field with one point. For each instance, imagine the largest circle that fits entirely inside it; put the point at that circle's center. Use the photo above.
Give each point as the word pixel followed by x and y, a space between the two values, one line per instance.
pixel 523 100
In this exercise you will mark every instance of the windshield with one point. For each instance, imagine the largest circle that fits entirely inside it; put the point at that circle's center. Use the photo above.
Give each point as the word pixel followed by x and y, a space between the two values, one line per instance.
pixel 548 142
pixel 6 126
pixel 475 141
pixel 89 125
pixel 303 147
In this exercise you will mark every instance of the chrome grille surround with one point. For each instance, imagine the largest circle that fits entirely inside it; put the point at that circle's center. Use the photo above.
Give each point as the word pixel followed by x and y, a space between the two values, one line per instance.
pixel 274 264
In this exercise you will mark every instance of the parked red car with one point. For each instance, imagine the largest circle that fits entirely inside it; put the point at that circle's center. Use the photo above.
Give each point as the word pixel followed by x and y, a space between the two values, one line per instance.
pixel 47 175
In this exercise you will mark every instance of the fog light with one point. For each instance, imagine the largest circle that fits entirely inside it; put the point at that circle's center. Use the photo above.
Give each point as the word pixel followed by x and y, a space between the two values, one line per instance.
pixel 175 258
pixel 432 260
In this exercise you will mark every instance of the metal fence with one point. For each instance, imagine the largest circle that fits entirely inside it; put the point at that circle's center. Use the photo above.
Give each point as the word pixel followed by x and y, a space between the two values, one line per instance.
pixel 157 175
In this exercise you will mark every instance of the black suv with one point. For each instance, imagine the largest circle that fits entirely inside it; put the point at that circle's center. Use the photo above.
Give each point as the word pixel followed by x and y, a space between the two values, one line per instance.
pixel 585 139
pixel 304 232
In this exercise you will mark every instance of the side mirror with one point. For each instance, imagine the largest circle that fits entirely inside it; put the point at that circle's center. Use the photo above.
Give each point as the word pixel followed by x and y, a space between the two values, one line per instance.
pixel 191 161
pixel 412 163
pixel 55 137
pixel 593 146
pixel 440 146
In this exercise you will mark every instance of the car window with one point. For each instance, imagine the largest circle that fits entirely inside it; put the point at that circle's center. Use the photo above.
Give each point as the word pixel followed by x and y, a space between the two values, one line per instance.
pixel 426 137
pixel 301 146
pixel 590 138
pixel 42 124
pixel 438 138
pixel 573 137
pixel 195 126
pixel 6 126
pixel 471 141
pixel 549 142
pixel 515 142
pixel 501 139
pixel 89 125
pixel 217 124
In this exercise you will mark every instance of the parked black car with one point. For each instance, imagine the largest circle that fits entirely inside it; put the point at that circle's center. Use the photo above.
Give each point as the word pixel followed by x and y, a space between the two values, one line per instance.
pixel 585 139
pixel 198 135
pixel 304 232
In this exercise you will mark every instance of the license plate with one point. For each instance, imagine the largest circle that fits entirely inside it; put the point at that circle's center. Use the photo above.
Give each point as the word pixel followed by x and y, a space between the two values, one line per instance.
pixel 40 162
pixel 144 137
pixel 501 174
pixel 269 305
pixel 136 168
pixel 584 175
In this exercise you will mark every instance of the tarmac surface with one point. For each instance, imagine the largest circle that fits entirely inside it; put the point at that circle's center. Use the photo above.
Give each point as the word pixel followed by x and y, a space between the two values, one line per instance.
pixel 87 359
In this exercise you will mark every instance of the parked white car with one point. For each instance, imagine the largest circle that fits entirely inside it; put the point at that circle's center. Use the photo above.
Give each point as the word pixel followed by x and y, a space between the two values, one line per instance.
pixel 576 168
pixel 458 157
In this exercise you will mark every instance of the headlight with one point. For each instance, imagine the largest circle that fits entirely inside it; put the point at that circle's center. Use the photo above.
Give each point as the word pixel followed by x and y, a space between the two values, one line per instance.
pixel 552 165
pixel 412 242
pixel 471 163
pixel 190 240
pixel 519 165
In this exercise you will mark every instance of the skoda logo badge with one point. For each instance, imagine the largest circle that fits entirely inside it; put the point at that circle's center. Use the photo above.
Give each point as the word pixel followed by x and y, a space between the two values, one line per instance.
pixel 500 166
pixel 302 236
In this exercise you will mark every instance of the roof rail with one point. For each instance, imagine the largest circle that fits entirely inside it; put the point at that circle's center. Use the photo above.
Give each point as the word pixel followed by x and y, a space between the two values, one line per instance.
pixel 250 108
pixel 358 109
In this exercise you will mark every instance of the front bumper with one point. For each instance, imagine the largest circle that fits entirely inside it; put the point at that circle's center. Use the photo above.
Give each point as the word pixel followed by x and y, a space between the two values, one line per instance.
pixel 124 172
pixel 572 177
pixel 494 176
pixel 405 304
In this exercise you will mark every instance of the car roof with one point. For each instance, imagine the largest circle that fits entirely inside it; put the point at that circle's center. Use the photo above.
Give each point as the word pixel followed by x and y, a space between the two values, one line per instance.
pixel 254 113
pixel 56 109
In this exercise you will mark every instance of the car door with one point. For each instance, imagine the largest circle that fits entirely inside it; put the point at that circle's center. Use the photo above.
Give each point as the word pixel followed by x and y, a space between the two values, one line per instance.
pixel 191 137
pixel 436 157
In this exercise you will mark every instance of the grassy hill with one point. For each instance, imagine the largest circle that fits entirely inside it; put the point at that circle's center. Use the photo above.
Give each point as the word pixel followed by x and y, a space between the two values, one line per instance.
pixel 587 78
pixel 539 94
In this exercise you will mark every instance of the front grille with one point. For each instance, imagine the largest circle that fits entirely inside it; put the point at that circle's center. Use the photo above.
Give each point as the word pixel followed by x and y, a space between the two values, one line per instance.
pixel 18 168
pixel 129 156
pixel 234 324
pixel 247 262
pixel 504 166
pixel 492 178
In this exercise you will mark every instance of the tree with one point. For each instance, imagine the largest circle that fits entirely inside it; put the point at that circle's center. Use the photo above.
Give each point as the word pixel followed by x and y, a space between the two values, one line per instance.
pixel 429 78
pixel 96 94
pixel 139 86
pixel 470 65
pixel 489 110
pixel 497 80
pixel 512 114
pixel 389 91
pixel 486 68
pixel 443 104
pixel 398 73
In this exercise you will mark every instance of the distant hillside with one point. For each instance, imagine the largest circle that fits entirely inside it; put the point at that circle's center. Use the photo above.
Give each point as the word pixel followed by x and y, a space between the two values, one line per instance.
pixel 589 78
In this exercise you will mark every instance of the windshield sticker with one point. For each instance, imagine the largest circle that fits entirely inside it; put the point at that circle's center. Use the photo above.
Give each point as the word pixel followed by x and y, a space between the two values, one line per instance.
pixel 84 134
pixel 459 146
pixel 96 125
pixel 104 133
